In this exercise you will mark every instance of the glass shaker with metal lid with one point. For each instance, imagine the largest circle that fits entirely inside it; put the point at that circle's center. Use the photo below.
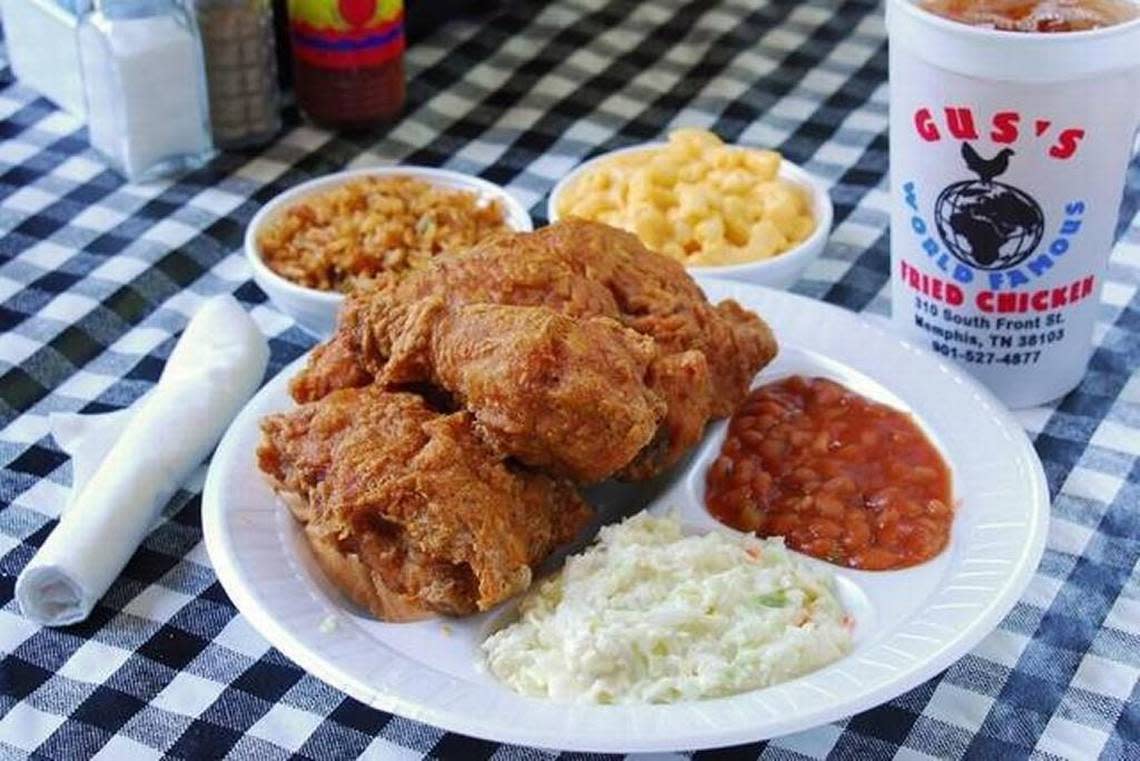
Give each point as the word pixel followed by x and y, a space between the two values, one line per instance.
pixel 143 82
pixel 241 70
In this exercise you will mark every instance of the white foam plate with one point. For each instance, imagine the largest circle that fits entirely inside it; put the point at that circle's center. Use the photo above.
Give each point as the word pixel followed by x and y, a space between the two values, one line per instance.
pixel 910 624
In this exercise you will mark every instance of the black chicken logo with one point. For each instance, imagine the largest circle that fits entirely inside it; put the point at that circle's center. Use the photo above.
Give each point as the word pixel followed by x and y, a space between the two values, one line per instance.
pixel 986 169
pixel 988 224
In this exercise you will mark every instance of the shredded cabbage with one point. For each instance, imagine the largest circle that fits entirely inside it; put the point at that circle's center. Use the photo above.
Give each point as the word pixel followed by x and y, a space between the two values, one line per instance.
pixel 648 614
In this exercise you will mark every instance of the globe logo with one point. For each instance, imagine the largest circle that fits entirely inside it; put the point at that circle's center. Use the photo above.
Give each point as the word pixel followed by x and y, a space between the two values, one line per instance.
pixel 986 224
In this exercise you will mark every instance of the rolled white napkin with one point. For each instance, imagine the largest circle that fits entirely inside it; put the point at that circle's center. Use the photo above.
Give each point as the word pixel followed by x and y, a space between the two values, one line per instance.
pixel 126 465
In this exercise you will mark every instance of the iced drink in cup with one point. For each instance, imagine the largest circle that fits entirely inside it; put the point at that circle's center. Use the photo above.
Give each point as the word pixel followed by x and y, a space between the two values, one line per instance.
pixel 1011 129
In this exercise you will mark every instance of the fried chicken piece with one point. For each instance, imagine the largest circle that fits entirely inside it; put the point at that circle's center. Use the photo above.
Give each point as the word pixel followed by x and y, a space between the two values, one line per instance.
pixel 657 297
pixel 586 268
pixel 579 269
pixel 407 510
pixel 508 270
pixel 340 367
pixel 681 380
pixel 563 395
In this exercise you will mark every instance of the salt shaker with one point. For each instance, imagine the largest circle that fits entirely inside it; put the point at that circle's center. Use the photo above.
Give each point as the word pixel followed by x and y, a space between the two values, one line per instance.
pixel 241 70
pixel 145 88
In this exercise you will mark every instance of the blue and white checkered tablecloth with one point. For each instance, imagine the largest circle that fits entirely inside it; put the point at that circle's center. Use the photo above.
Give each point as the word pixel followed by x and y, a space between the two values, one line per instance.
pixel 97 278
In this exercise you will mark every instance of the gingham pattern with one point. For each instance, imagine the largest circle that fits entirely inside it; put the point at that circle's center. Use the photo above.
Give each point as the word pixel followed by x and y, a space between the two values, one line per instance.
pixel 97 278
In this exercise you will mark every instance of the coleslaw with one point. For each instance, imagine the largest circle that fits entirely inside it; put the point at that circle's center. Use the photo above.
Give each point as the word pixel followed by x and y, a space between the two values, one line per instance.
pixel 648 614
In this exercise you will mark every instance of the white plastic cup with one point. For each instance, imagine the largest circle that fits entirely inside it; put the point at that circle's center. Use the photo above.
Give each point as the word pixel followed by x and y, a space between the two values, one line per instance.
pixel 998 262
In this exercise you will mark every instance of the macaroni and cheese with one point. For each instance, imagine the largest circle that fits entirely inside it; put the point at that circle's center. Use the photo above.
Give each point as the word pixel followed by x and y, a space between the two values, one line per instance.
pixel 695 199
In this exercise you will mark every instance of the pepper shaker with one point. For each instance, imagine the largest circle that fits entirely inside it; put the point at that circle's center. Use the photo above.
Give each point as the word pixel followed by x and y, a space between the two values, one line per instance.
pixel 241 70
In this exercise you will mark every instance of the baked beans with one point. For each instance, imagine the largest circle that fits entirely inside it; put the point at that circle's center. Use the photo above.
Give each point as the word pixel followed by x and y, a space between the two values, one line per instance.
pixel 839 476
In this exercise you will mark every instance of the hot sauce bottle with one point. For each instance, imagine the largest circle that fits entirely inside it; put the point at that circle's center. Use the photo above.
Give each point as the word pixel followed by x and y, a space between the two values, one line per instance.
pixel 348 60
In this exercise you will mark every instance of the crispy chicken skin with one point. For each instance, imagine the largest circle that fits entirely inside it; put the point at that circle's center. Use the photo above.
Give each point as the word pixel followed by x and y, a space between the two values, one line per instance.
pixel 566 396
pixel 508 269
pixel 407 509
pixel 681 380
pixel 340 367
pixel 655 296
pixel 705 355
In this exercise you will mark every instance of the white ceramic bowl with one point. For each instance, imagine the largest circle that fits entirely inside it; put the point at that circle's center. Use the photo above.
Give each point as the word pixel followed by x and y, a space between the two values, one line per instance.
pixel 315 310
pixel 779 271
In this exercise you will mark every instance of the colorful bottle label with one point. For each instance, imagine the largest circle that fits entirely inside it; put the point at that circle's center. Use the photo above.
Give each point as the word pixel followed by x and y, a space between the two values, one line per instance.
pixel 347 34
